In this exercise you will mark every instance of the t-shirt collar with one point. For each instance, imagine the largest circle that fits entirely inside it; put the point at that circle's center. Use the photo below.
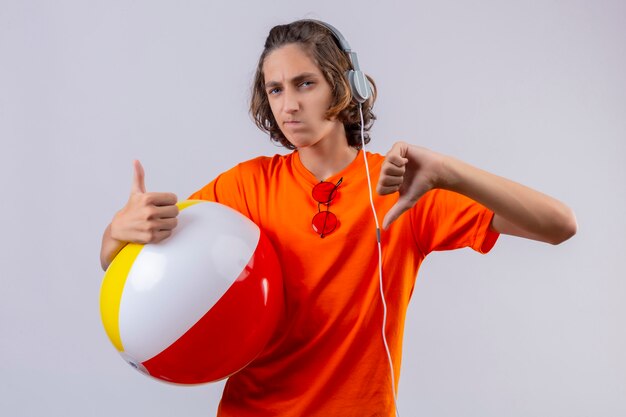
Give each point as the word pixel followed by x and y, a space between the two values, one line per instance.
pixel 352 169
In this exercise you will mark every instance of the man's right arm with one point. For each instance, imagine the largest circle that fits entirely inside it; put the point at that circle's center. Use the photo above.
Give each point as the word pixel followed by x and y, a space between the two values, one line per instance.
pixel 146 218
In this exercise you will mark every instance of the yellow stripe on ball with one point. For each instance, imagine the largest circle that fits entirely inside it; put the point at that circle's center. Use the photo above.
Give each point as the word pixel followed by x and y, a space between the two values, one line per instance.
pixel 184 204
pixel 112 288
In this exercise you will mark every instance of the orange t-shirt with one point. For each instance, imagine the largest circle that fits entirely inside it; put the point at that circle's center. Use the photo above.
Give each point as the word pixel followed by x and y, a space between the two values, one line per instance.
pixel 328 358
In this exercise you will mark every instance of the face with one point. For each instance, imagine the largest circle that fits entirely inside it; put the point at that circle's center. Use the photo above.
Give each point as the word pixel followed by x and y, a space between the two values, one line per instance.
pixel 299 97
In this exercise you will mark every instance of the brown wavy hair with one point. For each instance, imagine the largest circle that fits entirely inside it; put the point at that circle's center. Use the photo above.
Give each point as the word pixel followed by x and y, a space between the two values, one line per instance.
pixel 320 44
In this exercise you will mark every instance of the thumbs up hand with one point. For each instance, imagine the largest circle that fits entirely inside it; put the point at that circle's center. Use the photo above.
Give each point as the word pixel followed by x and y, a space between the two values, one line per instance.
pixel 147 217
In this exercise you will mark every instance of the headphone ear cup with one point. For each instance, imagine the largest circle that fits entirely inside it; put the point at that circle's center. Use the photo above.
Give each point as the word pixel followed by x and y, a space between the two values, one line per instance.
pixel 359 85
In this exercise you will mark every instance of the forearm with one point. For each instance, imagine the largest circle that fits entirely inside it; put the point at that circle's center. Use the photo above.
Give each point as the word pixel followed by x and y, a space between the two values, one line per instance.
pixel 519 210
pixel 110 247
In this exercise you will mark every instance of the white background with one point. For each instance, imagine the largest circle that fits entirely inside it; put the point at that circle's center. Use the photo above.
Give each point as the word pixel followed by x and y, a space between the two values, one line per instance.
pixel 534 91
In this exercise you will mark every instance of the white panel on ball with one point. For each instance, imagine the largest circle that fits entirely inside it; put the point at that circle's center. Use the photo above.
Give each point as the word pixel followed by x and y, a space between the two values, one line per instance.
pixel 205 254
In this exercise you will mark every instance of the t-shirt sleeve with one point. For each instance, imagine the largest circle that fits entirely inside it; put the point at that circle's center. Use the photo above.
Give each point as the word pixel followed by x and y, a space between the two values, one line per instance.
pixel 445 220
pixel 228 189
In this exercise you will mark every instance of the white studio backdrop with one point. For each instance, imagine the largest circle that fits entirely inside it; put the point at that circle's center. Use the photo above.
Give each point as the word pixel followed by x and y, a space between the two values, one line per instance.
pixel 534 91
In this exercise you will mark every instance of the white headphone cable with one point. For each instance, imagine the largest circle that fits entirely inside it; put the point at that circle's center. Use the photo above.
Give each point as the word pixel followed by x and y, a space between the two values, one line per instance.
pixel 380 265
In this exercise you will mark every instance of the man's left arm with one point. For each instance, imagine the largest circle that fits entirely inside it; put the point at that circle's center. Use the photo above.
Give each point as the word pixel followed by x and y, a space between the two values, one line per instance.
pixel 518 210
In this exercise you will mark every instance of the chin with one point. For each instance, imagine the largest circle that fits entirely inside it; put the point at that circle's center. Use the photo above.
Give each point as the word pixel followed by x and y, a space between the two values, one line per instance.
pixel 301 143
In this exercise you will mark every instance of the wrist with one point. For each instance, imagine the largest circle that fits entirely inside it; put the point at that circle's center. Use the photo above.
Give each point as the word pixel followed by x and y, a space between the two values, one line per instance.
pixel 110 247
pixel 114 228
pixel 450 173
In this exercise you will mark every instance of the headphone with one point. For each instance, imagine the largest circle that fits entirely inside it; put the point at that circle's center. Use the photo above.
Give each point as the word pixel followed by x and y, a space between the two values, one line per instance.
pixel 359 84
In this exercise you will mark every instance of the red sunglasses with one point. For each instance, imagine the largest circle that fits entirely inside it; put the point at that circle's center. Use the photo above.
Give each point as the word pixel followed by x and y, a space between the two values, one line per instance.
pixel 324 222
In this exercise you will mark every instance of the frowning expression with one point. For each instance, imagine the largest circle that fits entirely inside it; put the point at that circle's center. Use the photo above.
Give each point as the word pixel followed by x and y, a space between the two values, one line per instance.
pixel 299 97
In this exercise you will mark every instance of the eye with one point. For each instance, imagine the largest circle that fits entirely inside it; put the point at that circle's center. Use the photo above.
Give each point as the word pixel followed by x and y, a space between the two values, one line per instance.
pixel 273 91
pixel 306 83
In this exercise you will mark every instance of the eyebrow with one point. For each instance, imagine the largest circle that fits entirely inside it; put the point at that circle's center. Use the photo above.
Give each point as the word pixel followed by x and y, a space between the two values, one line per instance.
pixel 295 80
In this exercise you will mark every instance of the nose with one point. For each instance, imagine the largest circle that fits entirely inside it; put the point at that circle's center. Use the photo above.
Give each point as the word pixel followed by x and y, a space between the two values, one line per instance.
pixel 290 103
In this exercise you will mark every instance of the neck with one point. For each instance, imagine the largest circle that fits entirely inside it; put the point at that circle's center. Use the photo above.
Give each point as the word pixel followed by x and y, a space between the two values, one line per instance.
pixel 327 157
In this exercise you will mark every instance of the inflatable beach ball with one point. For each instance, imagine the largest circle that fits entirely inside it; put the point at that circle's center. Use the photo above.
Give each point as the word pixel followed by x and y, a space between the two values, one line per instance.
pixel 198 306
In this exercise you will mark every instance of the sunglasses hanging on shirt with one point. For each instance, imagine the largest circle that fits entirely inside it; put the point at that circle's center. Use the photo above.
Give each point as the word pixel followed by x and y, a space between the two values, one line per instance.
pixel 324 222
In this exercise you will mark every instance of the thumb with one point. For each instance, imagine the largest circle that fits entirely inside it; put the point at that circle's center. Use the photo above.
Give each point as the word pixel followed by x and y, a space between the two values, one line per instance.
pixel 402 205
pixel 139 186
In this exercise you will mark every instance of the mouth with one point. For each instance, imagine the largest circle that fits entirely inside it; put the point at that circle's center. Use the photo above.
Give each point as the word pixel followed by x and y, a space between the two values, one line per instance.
pixel 293 125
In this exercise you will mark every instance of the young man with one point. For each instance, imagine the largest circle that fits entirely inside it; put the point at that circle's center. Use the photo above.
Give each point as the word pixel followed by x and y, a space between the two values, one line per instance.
pixel 329 357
